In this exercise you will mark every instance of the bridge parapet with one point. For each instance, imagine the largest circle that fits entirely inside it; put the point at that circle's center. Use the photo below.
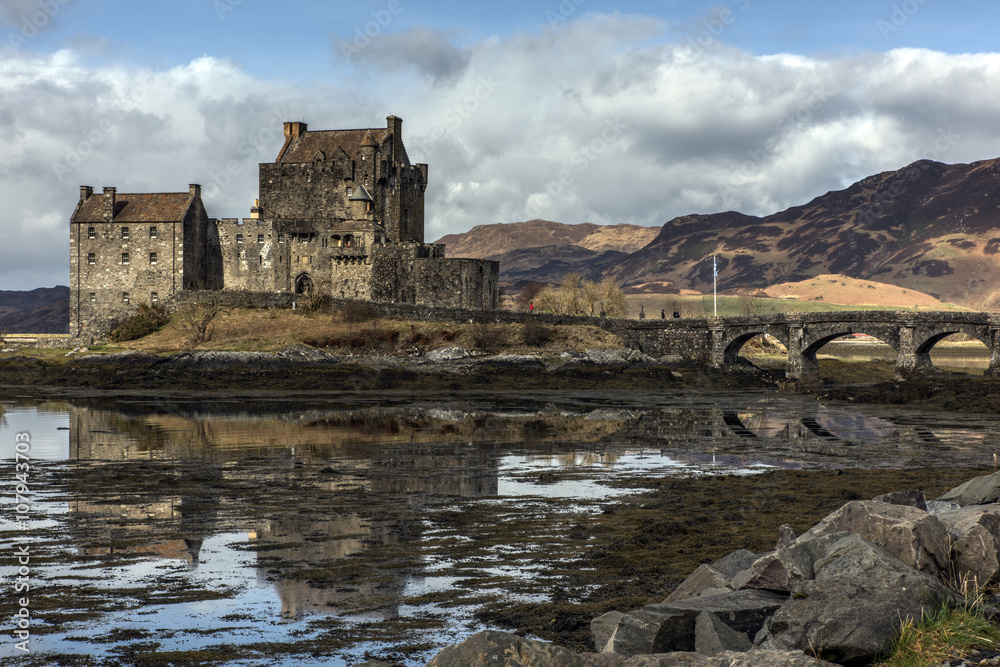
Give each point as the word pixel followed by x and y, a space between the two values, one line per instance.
pixel 717 341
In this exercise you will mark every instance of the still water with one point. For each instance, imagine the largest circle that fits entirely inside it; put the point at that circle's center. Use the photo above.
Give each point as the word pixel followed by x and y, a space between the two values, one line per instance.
pixel 319 531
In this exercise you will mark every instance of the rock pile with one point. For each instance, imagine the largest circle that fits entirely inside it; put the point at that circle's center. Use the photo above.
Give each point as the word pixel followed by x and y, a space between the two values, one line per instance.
pixel 836 595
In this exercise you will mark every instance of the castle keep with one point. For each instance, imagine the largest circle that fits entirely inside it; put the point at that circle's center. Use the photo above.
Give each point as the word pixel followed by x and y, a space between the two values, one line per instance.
pixel 340 212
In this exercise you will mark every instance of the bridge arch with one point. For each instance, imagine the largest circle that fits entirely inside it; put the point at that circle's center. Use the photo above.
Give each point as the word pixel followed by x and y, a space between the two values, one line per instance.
pixel 735 338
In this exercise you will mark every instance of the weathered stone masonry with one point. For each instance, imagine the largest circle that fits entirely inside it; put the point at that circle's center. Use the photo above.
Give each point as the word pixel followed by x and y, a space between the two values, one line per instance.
pixel 718 341
pixel 340 212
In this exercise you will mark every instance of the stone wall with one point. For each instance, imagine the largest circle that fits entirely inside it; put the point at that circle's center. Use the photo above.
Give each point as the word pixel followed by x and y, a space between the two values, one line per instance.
pixel 457 283
pixel 307 190
pixel 37 341
pixel 106 286
pixel 251 259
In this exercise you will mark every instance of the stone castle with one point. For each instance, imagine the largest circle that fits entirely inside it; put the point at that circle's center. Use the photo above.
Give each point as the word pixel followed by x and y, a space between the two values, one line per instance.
pixel 339 213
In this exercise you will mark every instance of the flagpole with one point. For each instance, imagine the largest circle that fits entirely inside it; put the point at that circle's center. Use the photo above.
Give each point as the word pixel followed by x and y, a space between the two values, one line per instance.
pixel 715 280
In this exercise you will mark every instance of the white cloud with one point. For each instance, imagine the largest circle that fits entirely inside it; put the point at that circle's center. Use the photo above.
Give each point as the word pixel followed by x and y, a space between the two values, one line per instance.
pixel 593 120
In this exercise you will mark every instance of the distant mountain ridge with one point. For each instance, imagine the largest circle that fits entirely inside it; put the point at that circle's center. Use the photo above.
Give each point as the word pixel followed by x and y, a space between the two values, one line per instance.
pixel 42 310
pixel 543 250
pixel 930 227
pixel 490 241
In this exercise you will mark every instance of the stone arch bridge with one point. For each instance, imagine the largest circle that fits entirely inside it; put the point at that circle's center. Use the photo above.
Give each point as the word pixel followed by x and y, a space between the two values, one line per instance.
pixel 718 340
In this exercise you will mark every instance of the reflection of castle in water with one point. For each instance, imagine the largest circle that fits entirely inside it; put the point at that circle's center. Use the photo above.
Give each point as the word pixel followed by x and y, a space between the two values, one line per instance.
pixel 369 453
pixel 405 454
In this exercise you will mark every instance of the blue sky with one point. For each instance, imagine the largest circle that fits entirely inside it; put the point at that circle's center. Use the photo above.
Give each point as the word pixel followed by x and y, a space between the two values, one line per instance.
pixel 570 110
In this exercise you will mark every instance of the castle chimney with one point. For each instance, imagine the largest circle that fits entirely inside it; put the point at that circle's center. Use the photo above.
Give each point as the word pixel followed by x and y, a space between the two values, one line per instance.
pixel 195 190
pixel 255 210
pixel 85 192
pixel 108 212
pixel 293 130
pixel 395 126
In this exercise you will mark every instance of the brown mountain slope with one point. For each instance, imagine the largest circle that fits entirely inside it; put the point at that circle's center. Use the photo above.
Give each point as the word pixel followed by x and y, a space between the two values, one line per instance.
pixel 491 241
pixel 929 227
pixel 42 310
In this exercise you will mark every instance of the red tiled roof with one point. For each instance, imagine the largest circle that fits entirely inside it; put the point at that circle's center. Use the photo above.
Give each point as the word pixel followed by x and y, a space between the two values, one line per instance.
pixel 154 207
pixel 331 142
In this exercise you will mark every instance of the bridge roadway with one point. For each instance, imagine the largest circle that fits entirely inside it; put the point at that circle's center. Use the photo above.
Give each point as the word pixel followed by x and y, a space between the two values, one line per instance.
pixel 718 340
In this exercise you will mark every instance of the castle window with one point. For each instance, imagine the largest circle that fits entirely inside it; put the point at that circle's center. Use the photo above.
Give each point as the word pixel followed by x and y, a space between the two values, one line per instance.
pixel 154 297
pixel 93 296
pixel 281 238
pixel 239 238
pixel 152 231
pixel 349 191
pixel 325 241
pixel 124 258
pixel 152 258
pixel 91 258
pixel 348 240
pixel 125 234
pixel 260 239
pixel 124 297
pixel 91 233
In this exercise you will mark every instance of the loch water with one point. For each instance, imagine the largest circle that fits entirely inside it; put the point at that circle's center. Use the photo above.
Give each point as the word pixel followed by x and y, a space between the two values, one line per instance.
pixel 317 530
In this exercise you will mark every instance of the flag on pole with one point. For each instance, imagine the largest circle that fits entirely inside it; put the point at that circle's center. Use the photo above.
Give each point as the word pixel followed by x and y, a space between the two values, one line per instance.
pixel 715 298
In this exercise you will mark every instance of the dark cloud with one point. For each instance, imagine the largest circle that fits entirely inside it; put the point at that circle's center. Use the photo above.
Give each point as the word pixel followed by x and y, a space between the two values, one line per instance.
pixel 428 51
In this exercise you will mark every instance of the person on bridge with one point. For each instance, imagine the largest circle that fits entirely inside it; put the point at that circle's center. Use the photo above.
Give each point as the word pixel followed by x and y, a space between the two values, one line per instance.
pixel 663 314
pixel 677 314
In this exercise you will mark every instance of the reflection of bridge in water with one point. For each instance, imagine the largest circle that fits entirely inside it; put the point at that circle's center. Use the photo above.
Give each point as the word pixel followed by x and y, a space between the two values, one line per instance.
pixel 718 341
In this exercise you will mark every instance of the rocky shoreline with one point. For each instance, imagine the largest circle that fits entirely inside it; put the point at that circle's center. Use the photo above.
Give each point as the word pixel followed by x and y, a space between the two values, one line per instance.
pixel 301 368
pixel 836 595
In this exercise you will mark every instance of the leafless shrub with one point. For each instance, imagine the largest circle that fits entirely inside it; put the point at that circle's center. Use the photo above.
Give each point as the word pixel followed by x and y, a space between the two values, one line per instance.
pixel 355 312
pixel 486 335
pixel 527 295
pixel 534 333
pixel 315 302
pixel 751 303
pixel 197 321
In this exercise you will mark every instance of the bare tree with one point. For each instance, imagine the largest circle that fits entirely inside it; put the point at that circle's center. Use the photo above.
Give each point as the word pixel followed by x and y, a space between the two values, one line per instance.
pixel 528 294
pixel 751 302
pixel 197 321
pixel 593 295
pixel 615 303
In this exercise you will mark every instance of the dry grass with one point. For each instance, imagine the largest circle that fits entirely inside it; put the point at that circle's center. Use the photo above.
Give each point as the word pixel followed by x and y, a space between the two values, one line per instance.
pixel 268 330
pixel 948 634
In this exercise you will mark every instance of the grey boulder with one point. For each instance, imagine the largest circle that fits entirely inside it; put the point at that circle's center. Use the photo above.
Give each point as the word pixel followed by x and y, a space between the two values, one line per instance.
pixel 914 536
pixel 850 620
pixel 669 627
pixel 715 578
pixel 977 491
pixel 785 568
pixel 754 658
pixel 975 549
pixel 503 649
pixel 912 497
pixel 712 636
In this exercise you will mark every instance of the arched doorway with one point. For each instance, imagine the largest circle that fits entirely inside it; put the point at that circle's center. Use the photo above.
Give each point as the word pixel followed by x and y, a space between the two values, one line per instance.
pixel 303 284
